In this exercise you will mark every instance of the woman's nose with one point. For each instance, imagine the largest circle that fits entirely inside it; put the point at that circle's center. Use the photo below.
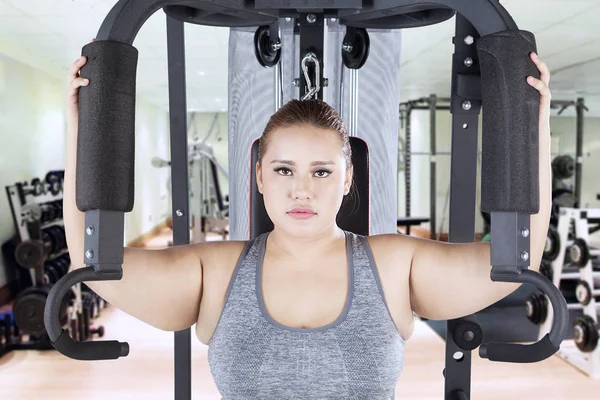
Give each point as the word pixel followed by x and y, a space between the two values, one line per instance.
pixel 302 189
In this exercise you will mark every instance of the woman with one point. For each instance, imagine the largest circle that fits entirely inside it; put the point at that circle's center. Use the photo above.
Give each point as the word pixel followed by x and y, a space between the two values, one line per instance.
pixel 306 311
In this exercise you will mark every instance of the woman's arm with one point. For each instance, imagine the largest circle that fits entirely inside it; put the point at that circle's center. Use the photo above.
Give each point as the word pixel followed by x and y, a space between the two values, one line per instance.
pixel 449 280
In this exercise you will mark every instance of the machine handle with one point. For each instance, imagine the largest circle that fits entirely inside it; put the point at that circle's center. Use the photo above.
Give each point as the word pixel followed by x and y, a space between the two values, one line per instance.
pixel 60 339
pixel 549 344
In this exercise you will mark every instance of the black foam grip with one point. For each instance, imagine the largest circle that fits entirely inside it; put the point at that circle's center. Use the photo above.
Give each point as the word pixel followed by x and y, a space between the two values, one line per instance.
pixel 519 353
pixel 510 141
pixel 106 136
pixel 102 350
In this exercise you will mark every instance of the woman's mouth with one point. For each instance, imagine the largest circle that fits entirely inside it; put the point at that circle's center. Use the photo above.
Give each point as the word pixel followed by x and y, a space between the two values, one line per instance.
pixel 301 213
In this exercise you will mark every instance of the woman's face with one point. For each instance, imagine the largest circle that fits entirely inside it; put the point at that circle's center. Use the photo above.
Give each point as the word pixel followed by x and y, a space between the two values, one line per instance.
pixel 303 167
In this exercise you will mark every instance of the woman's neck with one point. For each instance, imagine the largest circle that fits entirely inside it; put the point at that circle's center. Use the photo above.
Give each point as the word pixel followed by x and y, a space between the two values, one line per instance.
pixel 284 244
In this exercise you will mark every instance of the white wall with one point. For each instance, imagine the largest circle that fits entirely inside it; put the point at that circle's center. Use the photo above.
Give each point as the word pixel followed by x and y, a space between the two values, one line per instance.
pixel 151 192
pixel 563 140
pixel 32 133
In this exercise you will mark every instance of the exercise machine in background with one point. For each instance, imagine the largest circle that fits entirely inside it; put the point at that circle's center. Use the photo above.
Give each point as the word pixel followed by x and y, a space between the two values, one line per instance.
pixel 209 209
pixel 431 104
pixel 564 166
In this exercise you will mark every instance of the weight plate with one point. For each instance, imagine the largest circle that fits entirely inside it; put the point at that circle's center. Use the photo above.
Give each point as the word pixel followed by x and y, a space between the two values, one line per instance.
pixel 552 247
pixel 563 167
pixel 583 292
pixel 30 253
pixel 29 311
pixel 585 333
pixel 265 54
pixel 579 253
pixel 54 181
pixel 359 54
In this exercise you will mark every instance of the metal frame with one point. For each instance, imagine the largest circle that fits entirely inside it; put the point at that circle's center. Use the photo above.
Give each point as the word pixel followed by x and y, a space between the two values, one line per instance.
pixel 179 182
pixel 475 19
pixel 463 184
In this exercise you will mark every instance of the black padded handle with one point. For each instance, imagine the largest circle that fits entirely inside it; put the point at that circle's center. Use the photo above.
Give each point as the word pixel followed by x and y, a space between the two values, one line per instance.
pixel 510 138
pixel 60 339
pixel 549 344
pixel 106 131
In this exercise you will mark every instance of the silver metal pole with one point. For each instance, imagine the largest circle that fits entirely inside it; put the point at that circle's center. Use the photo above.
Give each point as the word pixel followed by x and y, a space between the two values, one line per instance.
pixel 353 106
pixel 278 86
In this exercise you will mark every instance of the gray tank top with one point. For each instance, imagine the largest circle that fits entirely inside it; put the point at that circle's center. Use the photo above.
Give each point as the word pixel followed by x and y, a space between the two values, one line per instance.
pixel 357 357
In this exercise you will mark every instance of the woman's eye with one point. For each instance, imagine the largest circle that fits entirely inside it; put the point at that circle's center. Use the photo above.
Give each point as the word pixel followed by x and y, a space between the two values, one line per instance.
pixel 323 171
pixel 282 169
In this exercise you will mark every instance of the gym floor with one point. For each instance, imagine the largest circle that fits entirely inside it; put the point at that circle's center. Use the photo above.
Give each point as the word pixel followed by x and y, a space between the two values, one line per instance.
pixel 148 372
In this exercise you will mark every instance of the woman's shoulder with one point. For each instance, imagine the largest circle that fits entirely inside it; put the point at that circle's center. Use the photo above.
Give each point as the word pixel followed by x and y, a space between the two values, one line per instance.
pixel 221 253
pixel 390 249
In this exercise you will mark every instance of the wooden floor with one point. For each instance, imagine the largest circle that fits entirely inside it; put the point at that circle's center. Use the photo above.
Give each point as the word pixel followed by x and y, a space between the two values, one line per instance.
pixel 148 374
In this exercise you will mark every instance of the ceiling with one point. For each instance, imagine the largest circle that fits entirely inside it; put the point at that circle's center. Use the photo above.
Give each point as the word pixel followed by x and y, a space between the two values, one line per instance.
pixel 52 32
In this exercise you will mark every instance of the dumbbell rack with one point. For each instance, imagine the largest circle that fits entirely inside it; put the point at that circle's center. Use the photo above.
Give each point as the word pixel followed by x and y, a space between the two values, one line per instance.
pixel 35 258
pixel 573 228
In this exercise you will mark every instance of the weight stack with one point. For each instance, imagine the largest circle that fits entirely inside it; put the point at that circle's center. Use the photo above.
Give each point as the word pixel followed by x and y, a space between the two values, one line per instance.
pixel 378 121
pixel 252 102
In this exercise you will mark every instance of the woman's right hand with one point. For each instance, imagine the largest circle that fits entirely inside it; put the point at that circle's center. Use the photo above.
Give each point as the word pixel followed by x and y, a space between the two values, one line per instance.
pixel 75 82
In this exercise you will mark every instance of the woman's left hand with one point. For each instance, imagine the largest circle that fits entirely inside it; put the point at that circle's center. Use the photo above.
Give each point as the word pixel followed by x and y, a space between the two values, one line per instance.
pixel 543 86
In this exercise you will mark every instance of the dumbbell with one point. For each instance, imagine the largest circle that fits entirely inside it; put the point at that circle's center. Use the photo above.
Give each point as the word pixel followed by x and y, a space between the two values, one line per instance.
pixel 563 167
pixel 51 211
pixel 55 237
pixel 552 245
pixel 580 253
pixel 585 293
pixel 54 181
pixel 536 308
pixel 63 265
pixel 51 272
pixel 38 187
pixel 97 331
pixel 585 333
